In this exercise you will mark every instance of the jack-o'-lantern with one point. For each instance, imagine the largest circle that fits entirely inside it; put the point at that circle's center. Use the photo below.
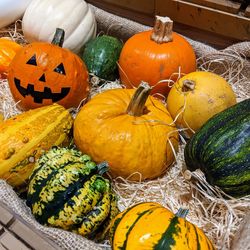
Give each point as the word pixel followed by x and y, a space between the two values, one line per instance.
pixel 42 73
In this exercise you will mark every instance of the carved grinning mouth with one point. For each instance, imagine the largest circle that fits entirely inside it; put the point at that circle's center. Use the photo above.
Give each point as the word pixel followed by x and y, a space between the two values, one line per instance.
pixel 39 96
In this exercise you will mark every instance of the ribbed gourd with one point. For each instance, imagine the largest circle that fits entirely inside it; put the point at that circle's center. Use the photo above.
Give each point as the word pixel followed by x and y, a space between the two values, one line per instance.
pixel 67 190
pixel 221 149
pixel 151 226
pixel 25 137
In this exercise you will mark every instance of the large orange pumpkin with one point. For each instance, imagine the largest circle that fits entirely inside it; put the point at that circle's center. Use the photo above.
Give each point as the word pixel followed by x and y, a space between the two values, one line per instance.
pixel 42 73
pixel 8 49
pixel 155 55
pixel 130 130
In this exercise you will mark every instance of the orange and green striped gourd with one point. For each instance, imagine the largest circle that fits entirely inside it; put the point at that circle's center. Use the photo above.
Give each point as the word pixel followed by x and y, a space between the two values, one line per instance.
pixel 149 225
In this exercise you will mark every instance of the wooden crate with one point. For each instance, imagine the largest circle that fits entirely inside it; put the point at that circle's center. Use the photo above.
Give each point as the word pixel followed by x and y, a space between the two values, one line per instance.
pixel 219 23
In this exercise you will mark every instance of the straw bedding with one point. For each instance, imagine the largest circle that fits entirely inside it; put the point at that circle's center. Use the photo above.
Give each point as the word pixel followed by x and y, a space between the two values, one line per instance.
pixel 220 218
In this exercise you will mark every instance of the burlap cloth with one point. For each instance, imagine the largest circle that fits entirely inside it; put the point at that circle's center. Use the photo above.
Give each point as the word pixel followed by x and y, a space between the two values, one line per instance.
pixel 233 63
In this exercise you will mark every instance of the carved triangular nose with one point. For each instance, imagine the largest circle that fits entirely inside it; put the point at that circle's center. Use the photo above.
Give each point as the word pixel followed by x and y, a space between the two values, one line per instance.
pixel 42 78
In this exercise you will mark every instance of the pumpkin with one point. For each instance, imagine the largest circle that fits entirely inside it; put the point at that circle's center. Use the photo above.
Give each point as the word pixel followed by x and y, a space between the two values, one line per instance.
pixel 8 49
pixel 221 149
pixel 66 190
pixel 130 130
pixel 24 138
pixel 42 73
pixel 155 55
pixel 101 55
pixel 196 97
pixel 11 10
pixel 149 225
pixel 42 17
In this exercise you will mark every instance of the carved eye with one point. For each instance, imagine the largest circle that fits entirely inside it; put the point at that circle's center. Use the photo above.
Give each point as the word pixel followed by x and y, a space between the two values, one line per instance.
pixel 32 61
pixel 60 69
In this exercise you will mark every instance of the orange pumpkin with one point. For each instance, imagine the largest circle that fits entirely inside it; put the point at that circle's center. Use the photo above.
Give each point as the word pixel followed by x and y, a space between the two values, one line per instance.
pixel 42 73
pixel 130 130
pixel 155 55
pixel 8 49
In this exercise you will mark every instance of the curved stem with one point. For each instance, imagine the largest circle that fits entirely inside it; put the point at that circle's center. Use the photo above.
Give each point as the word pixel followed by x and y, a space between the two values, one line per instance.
pixel 137 103
pixel 58 38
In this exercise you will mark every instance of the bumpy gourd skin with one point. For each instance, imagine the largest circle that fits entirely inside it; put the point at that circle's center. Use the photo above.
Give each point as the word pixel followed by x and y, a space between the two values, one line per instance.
pixel 128 143
pixel 151 226
pixel 101 56
pixel 67 191
pixel 25 137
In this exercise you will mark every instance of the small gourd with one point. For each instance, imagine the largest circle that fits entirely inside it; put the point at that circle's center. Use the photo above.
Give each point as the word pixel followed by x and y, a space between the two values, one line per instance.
pixel 101 55
pixel 149 225
pixel 67 190
pixel 42 17
pixel 196 97
pixel 155 55
pixel 8 50
pixel 25 137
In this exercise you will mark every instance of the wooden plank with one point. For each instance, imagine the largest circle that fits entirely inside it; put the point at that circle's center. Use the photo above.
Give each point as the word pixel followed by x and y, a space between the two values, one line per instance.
pixel 147 19
pixel 205 18
pixel 141 6
pixel 247 11
pixel 224 5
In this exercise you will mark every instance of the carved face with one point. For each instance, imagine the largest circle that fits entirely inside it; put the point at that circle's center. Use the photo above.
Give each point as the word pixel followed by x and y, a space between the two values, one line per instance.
pixel 42 73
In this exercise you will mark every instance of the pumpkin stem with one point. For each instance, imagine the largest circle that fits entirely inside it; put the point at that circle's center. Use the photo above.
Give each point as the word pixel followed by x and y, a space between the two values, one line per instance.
pixel 137 103
pixel 188 85
pixel 162 31
pixel 58 38
pixel 182 213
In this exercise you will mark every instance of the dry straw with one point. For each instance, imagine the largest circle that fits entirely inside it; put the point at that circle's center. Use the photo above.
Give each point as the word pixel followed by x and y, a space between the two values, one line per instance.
pixel 220 218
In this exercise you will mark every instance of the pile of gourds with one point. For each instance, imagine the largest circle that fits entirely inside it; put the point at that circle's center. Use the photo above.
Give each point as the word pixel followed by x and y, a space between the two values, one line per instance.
pixel 59 160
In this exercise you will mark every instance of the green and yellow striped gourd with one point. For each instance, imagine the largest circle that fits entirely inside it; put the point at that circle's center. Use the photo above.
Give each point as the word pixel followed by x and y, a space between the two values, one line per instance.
pixel 151 226
pixel 67 191
pixel 25 137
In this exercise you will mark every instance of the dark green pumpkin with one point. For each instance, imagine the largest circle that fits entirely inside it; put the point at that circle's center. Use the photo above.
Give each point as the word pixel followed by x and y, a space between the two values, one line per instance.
pixel 101 55
pixel 67 190
pixel 221 149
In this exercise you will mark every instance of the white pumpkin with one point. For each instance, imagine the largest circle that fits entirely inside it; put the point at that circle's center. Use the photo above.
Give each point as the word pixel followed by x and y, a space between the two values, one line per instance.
pixel 42 17
pixel 11 10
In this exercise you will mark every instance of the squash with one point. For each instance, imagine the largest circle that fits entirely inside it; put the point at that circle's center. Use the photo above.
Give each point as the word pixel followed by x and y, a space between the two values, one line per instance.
pixel 221 150
pixel 155 55
pixel 101 55
pixel 43 73
pixel 67 191
pixel 42 17
pixel 24 138
pixel 11 10
pixel 149 225
pixel 130 130
pixel 8 49
pixel 196 97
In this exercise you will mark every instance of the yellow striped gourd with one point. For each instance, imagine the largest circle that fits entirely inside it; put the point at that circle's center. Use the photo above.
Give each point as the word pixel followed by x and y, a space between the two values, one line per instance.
pixel 25 137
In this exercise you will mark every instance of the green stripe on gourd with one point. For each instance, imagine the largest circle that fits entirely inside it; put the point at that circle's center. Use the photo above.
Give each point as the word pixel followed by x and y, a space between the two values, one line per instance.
pixel 221 149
